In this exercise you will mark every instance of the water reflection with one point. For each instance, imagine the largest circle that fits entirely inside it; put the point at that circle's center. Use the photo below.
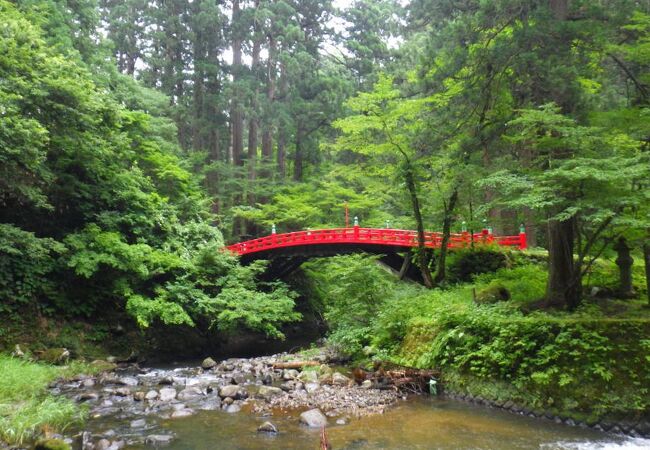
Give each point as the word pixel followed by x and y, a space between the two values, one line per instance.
pixel 420 423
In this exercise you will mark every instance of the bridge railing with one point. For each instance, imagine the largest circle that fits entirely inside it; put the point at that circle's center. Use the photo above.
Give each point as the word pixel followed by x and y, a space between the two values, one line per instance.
pixel 381 236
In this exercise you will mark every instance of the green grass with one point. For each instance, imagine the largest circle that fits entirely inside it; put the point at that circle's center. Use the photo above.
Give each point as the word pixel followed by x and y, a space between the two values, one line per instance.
pixel 26 408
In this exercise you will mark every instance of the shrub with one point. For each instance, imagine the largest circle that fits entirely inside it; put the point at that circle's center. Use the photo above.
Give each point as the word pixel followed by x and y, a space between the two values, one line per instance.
pixel 464 264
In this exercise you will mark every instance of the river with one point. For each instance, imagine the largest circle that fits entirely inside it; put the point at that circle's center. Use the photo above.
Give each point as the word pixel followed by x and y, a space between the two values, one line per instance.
pixel 419 423
pixel 122 417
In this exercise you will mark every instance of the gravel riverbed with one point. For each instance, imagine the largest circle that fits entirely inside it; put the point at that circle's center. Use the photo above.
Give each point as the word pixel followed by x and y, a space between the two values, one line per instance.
pixel 126 406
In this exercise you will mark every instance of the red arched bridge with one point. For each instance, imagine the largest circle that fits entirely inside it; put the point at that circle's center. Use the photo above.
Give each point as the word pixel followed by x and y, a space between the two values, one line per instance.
pixel 288 250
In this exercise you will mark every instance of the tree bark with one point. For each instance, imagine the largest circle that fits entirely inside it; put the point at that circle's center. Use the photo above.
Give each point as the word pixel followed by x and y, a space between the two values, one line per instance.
pixel 624 262
pixel 417 213
pixel 559 8
pixel 646 260
pixel 298 156
pixel 441 270
pixel 267 133
pixel 282 126
pixel 253 123
pixel 236 114
pixel 564 284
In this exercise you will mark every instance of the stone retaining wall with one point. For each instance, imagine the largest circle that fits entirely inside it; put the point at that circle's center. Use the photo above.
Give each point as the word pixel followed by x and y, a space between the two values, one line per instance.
pixel 633 428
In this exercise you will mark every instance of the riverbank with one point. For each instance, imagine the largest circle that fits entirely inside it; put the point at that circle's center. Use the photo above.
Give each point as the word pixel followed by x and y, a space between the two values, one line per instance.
pixel 129 405
pixel 27 409
pixel 493 341
pixel 254 403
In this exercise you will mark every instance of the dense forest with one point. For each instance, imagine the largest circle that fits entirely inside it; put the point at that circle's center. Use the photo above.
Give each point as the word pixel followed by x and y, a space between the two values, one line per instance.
pixel 138 137
pixel 135 134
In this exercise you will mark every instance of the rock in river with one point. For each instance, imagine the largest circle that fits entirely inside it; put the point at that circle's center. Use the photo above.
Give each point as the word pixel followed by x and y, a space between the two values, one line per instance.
pixel 231 390
pixel 127 381
pixel 268 392
pixel 159 439
pixel 167 394
pixel 234 408
pixel 313 418
pixel 267 427
pixel 208 363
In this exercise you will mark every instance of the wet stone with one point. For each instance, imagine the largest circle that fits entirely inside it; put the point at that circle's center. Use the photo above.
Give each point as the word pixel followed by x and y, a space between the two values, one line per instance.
pixel 185 412
pixel 127 381
pixel 208 363
pixel 313 418
pixel 167 394
pixel 267 427
pixel 138 423
pixel 159 439
pixel 234 408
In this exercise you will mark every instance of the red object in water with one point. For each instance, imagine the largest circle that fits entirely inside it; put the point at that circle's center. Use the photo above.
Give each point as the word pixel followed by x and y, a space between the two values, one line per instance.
pixel 372 236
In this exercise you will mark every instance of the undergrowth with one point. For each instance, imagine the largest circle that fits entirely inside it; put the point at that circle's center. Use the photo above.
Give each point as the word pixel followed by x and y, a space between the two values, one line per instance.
pixel 26 408
pixel 589 363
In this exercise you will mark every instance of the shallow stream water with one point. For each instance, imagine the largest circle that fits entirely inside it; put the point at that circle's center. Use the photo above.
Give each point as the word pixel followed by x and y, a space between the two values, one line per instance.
pixel 418 423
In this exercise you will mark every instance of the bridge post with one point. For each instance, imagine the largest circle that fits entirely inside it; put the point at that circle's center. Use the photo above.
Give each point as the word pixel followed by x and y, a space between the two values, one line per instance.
pixel 523 245
pixel 356 227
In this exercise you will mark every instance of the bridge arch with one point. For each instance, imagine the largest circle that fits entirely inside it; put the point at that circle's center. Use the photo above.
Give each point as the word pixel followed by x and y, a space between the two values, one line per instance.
pixel 287 251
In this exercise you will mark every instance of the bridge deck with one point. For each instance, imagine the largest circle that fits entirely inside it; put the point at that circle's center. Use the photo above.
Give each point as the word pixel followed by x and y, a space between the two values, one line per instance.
pixel 389 238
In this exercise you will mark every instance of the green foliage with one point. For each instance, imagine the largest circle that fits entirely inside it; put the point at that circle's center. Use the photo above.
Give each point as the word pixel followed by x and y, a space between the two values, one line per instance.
pixel 25 263
pixel 353 290
pixel 464 263
pixel 98 209
pixel 526 283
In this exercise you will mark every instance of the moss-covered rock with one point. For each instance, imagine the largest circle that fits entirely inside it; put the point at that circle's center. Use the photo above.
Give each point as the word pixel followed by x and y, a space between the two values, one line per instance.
pixel 51 444
pixel 55 355
pixel 493 294
pixel 103 366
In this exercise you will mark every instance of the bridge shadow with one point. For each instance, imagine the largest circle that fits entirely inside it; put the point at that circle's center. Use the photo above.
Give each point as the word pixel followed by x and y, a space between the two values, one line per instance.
pixel 284 261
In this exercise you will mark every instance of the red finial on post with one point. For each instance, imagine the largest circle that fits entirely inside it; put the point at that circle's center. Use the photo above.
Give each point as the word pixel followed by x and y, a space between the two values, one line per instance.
pixel 523 245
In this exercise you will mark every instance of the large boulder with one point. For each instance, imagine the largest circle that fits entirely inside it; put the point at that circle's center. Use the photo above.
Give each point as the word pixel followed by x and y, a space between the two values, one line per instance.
pixel 208 363
pixel 232 391
pixel 268 392
pixel 313 418
pixel 308 376
pixel 339 379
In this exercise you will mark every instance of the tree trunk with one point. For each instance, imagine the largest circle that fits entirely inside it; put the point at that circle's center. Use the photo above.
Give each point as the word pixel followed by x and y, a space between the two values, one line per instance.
pixel 646 259
pixel 282 126
pixel 236 115
pixel 564 284
pixel 624 262
pixel 198 86
pixel 267 133
pixel 422 254
pixel 253 122
pixel 441 270
pixel 560 8
pixel 298 156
